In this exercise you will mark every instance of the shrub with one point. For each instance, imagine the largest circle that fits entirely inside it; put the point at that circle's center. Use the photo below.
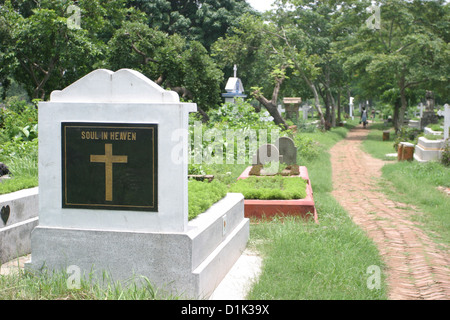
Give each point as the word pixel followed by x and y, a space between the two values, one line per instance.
pixel 271 188
pixel 407 134
pixel 435 127
pixel 241 114
pixel 445 160
pixel 304 126
pixel 202 195
pixel 307 148
pixel 21 157
pixel 230 125
pixel 19 122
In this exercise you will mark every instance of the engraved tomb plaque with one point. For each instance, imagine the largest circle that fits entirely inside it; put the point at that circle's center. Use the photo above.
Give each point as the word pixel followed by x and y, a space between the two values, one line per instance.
pixel 109 166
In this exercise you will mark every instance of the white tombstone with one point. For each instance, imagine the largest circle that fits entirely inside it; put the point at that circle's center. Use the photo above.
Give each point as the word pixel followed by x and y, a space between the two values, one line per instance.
pixel 305 110
pixel 351 107
pixel 106 124
pixel 421 107
pixel 446 121
pixel 432 150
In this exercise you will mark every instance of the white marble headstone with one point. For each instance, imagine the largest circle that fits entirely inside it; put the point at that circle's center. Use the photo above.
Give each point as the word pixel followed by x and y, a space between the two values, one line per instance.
pixel 446 121
pixel 125 97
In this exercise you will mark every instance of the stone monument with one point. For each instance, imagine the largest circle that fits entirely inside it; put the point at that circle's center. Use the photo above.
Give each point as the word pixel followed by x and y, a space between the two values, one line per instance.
pixel 292 106
pixel 428 115
pixel 287 150
pixel 234 88
pixel 113 189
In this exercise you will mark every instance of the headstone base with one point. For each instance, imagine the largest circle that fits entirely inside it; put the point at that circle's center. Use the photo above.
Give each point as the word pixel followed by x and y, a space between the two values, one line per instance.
pixel 190 264
pixel 428 117
pixel 405 151
pixel 428 150
pixel 17 224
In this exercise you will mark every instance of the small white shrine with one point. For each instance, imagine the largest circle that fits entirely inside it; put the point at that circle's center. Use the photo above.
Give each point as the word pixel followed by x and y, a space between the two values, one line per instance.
pixel 234 88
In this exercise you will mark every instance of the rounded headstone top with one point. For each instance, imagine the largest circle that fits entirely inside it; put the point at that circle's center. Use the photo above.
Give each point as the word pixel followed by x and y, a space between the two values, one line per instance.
pixel 122 86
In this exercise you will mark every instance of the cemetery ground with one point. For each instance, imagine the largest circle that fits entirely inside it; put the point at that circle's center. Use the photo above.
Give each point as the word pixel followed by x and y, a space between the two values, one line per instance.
pixel 331 259
pixel 416 266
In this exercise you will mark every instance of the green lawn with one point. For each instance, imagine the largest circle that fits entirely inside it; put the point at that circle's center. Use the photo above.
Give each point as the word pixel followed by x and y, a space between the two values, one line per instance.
pixel 22 162
pixel 304 260
pixel 375 145
pixel 415 183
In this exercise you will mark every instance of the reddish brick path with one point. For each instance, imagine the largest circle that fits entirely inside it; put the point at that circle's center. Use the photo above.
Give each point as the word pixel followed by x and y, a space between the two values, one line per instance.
pixel 416 267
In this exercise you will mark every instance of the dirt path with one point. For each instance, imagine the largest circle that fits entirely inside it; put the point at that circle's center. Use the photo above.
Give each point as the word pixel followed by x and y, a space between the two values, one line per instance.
pixel 416 268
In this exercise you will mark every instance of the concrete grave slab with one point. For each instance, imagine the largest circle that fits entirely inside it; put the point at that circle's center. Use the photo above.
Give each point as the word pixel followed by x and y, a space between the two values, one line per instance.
pixel 100 235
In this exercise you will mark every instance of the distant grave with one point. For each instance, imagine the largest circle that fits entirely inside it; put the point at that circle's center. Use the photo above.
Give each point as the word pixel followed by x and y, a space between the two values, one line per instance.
pixel 428 115
pixel 292 106
pixel 265 166
pixel 431 150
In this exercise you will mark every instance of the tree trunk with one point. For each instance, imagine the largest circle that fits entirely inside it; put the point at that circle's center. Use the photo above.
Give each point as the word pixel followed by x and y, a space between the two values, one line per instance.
pixel 402 108
pixel 316 100
pixel 396 116
pixel 272 108
pixel 404 104
pixel 333 111
pixel 205 117
pixel 339 106
pixel 271 105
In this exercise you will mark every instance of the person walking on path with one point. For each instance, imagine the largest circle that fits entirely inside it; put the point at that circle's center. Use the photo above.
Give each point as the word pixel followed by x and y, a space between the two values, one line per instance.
pixel 364 117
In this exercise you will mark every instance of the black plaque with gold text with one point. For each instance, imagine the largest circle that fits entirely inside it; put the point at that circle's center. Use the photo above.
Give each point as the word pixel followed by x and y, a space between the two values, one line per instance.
pixel 109 166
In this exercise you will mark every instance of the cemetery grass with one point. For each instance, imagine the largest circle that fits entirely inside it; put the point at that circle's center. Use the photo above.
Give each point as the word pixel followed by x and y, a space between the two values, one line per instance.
pixel 54 286
pixel 374 144
pixel 203 194
pixel 24 174
pixel 416 184
pixel 308 261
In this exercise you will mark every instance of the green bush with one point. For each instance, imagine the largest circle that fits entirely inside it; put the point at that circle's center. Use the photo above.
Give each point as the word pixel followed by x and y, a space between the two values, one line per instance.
pixel 445 160
pixel 307 148
pixel 19 144
pixel 304 126
pixel 21 157
pixel 407 135
pixel 202 195
pixel 435 127
pixel 271 188
pixel 234 128
pixel 18 122
pixel 239 115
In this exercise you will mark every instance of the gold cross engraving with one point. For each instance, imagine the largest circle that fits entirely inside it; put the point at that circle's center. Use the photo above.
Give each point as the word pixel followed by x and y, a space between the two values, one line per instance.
pixel 108 159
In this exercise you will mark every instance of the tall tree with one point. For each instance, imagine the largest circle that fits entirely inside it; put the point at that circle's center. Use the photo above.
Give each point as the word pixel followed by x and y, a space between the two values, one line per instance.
pixel 409 50
pixel 43 49
pixel 259 54
pixel 169 60
pixel 309 29
pixel 42 53
pixel 201 20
